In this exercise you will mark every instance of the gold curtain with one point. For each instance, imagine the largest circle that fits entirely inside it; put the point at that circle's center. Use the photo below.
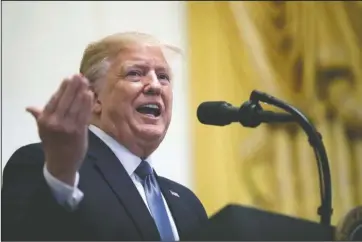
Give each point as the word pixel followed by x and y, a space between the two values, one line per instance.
pixel 306 53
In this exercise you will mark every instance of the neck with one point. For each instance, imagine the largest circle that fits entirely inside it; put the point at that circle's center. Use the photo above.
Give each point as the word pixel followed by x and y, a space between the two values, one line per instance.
pixel 137 146
pixel 139 149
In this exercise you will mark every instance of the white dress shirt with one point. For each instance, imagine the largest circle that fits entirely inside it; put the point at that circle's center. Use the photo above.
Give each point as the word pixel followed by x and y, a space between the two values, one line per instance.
pixel 71 196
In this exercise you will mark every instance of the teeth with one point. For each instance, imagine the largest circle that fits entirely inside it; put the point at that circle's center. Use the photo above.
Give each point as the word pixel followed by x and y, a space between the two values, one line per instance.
pixel 149 109
pixel 150 106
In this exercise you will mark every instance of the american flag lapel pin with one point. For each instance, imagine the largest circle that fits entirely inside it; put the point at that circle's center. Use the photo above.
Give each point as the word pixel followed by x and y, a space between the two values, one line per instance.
pixel 174 193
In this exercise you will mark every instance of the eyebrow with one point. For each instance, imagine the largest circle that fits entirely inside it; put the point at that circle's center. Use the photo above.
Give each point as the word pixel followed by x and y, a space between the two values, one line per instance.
pixel 144 66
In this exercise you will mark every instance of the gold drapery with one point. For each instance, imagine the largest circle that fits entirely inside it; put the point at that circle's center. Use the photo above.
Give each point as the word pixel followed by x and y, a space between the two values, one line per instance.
pixel 306 53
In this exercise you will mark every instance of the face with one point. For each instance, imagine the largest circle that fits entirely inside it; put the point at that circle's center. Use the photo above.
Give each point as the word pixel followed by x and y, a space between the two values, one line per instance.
pixel 135 103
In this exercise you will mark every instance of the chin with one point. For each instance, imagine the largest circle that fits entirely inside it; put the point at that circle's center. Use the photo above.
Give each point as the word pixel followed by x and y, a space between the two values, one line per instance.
pixel 151 132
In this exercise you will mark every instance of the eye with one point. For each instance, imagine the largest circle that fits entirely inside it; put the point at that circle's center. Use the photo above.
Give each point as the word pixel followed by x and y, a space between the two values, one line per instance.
pixel 164 77
pixel 134 73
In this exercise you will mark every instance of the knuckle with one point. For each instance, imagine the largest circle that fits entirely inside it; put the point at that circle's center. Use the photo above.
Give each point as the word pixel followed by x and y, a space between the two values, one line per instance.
pixel 84 81
pixel 66 81
pixel 72 112
pixel 70 129
pixel 54 124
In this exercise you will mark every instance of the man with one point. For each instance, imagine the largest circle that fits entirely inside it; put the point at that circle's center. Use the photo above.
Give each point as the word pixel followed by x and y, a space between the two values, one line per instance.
pixel 95 182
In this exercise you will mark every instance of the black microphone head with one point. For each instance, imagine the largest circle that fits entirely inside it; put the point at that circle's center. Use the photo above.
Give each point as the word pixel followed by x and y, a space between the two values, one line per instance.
pixel 218 113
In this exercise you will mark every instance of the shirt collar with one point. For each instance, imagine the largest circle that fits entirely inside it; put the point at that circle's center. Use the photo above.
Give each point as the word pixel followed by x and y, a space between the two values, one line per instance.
pixel 129 161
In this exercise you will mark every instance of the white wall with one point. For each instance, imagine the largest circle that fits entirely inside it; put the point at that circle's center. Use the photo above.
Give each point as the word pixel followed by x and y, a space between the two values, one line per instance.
pixel 43 43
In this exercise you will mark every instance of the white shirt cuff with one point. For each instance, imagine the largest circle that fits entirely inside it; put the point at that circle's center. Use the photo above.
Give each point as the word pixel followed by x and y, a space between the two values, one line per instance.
pixel 66 195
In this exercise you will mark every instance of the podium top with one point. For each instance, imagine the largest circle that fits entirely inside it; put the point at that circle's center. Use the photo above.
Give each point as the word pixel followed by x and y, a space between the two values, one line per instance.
pixel 236 222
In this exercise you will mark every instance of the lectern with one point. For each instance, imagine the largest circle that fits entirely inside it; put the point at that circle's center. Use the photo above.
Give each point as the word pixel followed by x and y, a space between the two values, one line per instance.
pixel 241 223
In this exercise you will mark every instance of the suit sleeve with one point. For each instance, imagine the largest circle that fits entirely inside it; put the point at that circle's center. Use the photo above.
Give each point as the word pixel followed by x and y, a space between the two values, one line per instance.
pixel 29 209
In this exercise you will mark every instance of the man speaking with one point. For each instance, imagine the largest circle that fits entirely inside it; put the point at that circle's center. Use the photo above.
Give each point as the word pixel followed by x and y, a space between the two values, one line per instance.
pixel 91 176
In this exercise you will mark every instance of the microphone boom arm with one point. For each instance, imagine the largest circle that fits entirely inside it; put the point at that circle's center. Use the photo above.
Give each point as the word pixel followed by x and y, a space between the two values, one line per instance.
pixel 315 140
pixel 251 115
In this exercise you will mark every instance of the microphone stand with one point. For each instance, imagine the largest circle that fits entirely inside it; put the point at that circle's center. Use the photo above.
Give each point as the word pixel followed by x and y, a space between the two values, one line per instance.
pixel 315 140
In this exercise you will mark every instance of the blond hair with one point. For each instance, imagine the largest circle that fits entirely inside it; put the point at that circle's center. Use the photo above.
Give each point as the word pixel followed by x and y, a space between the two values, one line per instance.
pixel 98 55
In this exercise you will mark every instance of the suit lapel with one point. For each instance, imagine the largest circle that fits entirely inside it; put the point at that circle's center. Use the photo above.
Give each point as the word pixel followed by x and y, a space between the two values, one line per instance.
pixel 113 172
pixel 179 210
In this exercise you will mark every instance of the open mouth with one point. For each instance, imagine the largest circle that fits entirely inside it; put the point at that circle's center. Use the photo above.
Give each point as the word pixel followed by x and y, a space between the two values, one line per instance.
pixel 153 110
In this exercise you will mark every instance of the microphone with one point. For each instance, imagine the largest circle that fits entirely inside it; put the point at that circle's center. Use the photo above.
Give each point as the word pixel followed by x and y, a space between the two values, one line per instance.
pixel 250 114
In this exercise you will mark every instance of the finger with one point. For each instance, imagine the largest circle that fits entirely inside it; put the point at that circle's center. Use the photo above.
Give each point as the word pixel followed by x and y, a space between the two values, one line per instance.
pixel 85 112
pixel 76 106
pixel 68 96
pixel 35 112
pixel 54 100
pixel 73 109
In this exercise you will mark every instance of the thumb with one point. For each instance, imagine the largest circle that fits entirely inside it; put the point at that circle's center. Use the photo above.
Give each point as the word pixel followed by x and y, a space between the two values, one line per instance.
pixel 34 111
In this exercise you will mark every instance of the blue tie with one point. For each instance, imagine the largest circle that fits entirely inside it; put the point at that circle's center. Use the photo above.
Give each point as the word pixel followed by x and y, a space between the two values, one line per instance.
pixel 155 201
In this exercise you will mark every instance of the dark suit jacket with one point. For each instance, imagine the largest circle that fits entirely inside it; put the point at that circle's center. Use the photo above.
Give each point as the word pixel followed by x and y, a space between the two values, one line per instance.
pixel 111 209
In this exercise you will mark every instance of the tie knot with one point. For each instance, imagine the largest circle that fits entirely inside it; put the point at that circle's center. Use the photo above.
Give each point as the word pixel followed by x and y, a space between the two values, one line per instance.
pixel 143 170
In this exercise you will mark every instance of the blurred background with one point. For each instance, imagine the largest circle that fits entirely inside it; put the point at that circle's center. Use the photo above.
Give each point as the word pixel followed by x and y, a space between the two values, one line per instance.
pixel 305 53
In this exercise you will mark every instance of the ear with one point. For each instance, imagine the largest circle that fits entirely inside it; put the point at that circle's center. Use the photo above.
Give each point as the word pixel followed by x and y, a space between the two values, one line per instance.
pixel 97 106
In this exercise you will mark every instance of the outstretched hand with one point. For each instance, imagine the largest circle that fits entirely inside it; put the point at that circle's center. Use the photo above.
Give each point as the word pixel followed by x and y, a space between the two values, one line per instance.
pixel 62 127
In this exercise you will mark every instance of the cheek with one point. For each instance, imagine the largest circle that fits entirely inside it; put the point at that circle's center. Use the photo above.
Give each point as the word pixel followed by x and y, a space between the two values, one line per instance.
pixel 169 103
pixel 170 98
pixel 115 102
pixel 168 95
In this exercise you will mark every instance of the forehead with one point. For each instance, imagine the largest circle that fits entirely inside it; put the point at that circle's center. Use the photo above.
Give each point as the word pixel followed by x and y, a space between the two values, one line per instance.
pixel 145 55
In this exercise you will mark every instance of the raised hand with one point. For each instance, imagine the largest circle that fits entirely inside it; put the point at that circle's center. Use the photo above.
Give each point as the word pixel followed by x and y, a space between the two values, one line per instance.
pixel 62 127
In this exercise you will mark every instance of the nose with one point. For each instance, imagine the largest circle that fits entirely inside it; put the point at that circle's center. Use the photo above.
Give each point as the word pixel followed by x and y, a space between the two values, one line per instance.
pixel 153 85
